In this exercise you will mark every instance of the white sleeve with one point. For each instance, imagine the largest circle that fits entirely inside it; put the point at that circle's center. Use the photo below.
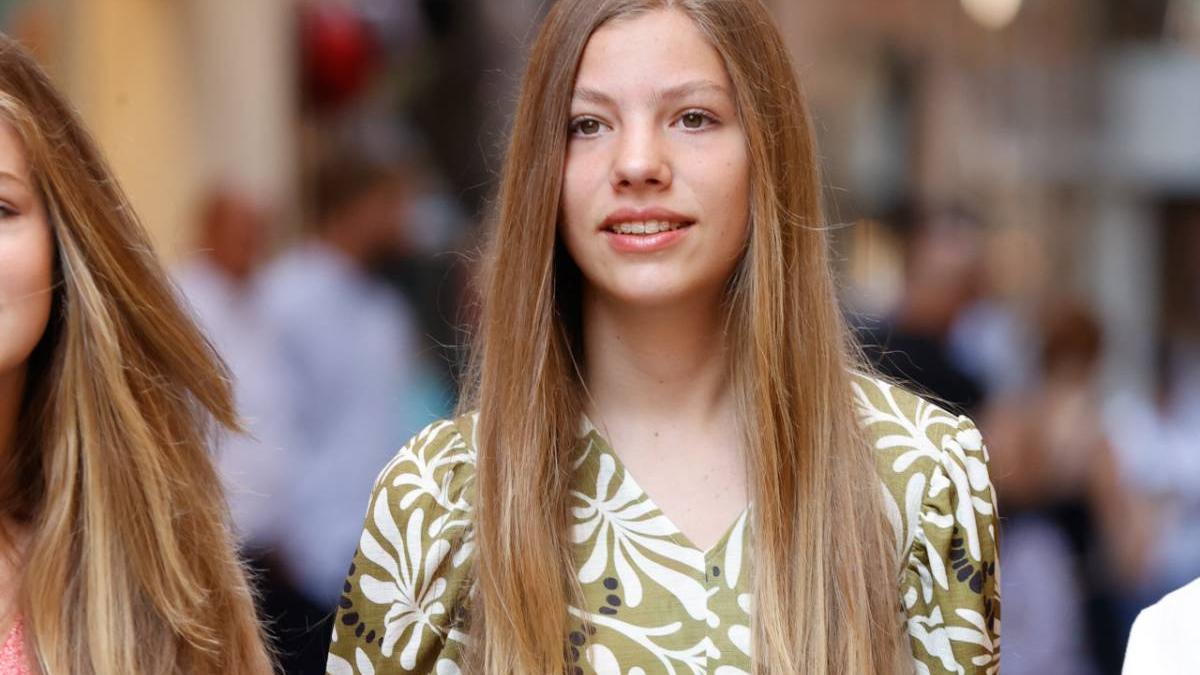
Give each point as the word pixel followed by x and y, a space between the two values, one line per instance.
pixel 1163 639
pixel 1141 654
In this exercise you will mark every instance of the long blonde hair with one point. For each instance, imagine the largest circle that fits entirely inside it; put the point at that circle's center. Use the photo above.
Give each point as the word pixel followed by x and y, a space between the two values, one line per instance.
pixel 825 571
pixel 130 564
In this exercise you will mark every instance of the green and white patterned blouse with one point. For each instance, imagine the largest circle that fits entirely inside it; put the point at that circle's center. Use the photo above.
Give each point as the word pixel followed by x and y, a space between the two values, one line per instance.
pixel 655 603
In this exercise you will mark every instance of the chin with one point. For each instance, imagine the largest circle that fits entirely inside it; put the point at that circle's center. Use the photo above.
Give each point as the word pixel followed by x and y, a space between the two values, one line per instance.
pixel 652 295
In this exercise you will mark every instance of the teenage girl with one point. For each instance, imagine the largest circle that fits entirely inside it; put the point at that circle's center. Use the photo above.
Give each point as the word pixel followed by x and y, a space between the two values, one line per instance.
pixel 670 459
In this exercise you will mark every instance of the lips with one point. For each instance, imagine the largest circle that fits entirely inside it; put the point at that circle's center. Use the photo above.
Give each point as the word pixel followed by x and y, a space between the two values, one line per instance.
pixel 646 230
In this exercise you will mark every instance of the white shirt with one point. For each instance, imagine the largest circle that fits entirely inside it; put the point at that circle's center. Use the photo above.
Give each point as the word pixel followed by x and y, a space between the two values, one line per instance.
pixel 253 466
pixel 1165 636
pixel 348 343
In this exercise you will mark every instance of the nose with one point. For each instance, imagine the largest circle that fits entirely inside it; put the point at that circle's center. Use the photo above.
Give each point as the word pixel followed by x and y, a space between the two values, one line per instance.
pixel 642 161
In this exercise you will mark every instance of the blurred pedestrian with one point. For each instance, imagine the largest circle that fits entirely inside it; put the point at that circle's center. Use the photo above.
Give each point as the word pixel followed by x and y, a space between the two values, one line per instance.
pixel 1157 432
pixel 220 281
pixel 1076 535
pixel 348 344
pixel 942 272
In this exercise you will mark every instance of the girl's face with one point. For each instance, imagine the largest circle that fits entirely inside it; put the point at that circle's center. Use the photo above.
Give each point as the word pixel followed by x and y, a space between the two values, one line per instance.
pixel 26 257
pixel 656 187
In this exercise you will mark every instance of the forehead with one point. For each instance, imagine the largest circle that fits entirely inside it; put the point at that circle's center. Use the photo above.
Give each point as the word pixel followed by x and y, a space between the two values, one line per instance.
pixel 12 151
pixel 649 52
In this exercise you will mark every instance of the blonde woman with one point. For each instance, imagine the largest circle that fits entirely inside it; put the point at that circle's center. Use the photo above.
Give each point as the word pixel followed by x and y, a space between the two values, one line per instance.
pixel 116 551
pixel 667 461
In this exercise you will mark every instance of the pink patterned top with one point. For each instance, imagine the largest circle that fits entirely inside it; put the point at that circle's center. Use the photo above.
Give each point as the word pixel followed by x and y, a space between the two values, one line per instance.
pixel 12 653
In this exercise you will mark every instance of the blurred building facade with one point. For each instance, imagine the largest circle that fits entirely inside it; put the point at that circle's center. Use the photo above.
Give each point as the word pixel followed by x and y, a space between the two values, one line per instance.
pixel 1070 128
pixel 180 94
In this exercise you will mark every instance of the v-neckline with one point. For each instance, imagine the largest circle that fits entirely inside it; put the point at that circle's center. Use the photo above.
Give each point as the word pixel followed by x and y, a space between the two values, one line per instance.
pixel 591 433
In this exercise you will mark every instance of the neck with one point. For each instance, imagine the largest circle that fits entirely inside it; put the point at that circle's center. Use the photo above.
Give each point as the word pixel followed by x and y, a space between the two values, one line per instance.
pixel 349 241
pixel 238 277
pixel 12 390
pixel 924 314
pixel 646 363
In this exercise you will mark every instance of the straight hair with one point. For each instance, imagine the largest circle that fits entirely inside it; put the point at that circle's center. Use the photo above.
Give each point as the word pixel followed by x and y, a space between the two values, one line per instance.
pixel 825 574
pixel 130 565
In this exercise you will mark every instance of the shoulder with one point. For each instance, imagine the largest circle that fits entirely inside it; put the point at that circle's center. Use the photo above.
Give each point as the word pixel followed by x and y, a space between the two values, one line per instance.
pixel 913 437
pixel 933 464
pixel 1176 604
pixel 1163 634
pixel 435 468
pixel 284 283
pixel 303 270
pixel 288 265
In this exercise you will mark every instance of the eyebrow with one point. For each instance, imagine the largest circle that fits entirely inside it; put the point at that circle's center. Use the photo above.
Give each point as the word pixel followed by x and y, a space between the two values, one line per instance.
pixel 5 175
pixel 683 90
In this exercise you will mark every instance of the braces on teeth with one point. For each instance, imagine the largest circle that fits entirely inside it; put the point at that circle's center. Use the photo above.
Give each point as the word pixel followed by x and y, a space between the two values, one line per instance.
pixel 648 227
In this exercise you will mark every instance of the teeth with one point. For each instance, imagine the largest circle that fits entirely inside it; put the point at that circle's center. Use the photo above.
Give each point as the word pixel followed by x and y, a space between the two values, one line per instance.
pixel 647 227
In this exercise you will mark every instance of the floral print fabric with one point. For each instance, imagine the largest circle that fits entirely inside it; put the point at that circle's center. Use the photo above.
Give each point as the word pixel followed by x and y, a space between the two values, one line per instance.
pixel 655 603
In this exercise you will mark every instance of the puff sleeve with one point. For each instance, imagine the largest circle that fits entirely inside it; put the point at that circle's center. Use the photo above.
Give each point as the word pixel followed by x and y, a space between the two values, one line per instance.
pixel 950 585
pixel 402 604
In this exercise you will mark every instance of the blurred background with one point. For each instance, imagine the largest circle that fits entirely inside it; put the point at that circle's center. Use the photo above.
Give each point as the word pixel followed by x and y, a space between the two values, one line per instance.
pixel 1013 187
